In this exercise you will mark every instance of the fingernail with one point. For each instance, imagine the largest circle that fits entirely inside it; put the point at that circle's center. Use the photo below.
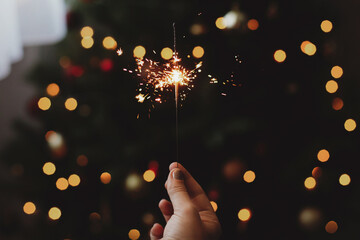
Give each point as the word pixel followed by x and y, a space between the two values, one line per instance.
pixel 177 174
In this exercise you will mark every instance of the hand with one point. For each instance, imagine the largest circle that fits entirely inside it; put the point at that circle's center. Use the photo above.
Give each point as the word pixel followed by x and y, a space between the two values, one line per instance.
pixel 189 215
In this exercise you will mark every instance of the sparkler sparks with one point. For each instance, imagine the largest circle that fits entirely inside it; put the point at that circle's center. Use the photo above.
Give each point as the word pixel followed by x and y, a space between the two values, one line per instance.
pixel 119 52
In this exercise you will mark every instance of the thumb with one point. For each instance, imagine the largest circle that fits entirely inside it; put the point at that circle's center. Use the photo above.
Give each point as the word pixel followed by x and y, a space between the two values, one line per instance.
pixel 177 190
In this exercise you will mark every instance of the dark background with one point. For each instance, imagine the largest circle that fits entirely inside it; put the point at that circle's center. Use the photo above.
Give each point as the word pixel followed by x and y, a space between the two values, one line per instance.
pixel 274 124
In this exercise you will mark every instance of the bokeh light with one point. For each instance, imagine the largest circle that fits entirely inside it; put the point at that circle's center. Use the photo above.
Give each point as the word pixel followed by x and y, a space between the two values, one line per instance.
pixel 220 24
pixel 105 178
pixel 133 182
pixel 244 214
pixel 350 125
pixel 310 218
pixel 344 179
pixel 53 89
pixel 94 216
pixel 139 52
pixel 166 53
pixel 326 26
pixel 331 86
pixel 253 24
pixel 331 227
pixel 249 176
pixel 62 184
pixel 303 45
pixel 198 52
pixel 74 180
pixel 86 32
pixel 65 62
pixel 29 208
pixel 310 183
pixel 323 155
pixel 71 104
pixel 109 43
pixel 54 139
pixel 49 168
pixel 44 103
pixel 316 172
pixel 337 72
pixel 310 49
pixel 280 56
pixel 134 234
pixel 214 205
pixel 87 42
pixel 337 104
pixel 149 175
pixel 54 213
pixel 82 160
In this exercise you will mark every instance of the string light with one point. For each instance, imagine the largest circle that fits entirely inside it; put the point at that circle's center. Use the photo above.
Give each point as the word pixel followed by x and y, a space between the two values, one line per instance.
pixel 198 52
pixel 253 24
pixel 167 53
pixel 71 104
pixel 220 24
pixel 249 176
pixel 326 26
pixel 109 43
pixel 337 104
pixel 82 160
pixel 214 205
pixel 44 103
pixel 344 179
pixel 331 227
pixel 134 234
pixel 105 178
pixel 350 125
pixel 74 180
pixel 309 48
pixel 310 183
pixel 62 184
pixel 54 213
pixel 139 52
pixel 53 89
pixel 337 72
pixel 331 86
pixel 49 168
pixel 29 208
pixel 316 172
pixel 323 155
pixel 87 42
pixel 244 215
pixel 86 32
pixel 280 56
pixel 149 175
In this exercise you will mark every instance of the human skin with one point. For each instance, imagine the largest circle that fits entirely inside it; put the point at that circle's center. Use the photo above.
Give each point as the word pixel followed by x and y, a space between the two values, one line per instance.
pixel 189 214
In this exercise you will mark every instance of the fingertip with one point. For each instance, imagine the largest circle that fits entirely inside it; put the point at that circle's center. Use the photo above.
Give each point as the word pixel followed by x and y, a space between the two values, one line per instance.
pixel 157 230
pixel 174 165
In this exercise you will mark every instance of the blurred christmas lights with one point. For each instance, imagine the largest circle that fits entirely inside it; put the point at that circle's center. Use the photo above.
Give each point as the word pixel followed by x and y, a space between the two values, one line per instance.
pixel 323 155
pixel 29 208
pixel 310 183
pixel 280 56
pixel 344 179
pixel 54 213
pixel 244 214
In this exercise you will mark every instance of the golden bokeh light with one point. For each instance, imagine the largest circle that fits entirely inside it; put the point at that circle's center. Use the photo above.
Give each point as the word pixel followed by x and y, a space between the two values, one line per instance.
pixel 214 205
pixel 86 32
pixel 326 26
pixel 44 103
pixel 337 72
pixel 220 23
pixel 331 227
pixel 323 155
pixel 87 42
pixel 62 184
pixel 166 53
pixel 109 43
pixel 134 234
pixel 249 176
pixel 74 180
pixel 280 56
pixel 53 89
pixel 49 168
pixel 29 208
pixel 71 104
pixel 253 24
pixel 344 179
pixel 149 175
pixel 198 52
pixel 105 178
pixel 303 45
pixel 139 52
pixel 331 86
pixel 310 49
pixel 350 125
pixel 310 183
pixel 244 214
pixel 82 160
pixel 54 213
pixel 337 104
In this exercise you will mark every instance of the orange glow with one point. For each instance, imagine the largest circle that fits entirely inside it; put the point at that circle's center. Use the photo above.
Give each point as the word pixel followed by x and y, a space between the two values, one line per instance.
pixel 105 178
pixel 309 49
pixel 316 172
pixel 337 104
pixel 29 208
pixel 94 216
pixel 44 103
pixel 109 43
pixel 303 45
pixel 86 32
pixel 323 155
pixel 280 56
pixel 149 175
pixel 134 234
pixel 220 24
pixel 337 72
pixel 62 184
pixel 74 180
pixel 139 52
pixel 331 86
pixel 82 160
pixel 52 89
pixel 310 183
pixel 87 42
pixel 344 179
pixel 244 214
pixel 64 62
pixel 54 213
pixel 71 104
pixel 49 168
pixel 326 26
pixel 214 205
pixel 198 52
pixel 167 53
pixel 331 227
pixel 249 176
pixel 350 125
pixel 253 24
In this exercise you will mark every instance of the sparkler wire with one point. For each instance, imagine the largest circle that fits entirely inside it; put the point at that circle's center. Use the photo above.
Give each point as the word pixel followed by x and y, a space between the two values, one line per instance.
pixel 176 105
